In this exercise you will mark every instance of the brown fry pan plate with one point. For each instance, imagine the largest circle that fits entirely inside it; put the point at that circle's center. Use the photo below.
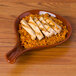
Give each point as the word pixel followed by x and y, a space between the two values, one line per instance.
pixel 18 50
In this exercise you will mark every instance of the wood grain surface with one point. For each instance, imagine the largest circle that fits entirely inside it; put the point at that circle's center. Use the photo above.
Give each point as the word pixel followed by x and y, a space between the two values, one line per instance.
pixel 56 61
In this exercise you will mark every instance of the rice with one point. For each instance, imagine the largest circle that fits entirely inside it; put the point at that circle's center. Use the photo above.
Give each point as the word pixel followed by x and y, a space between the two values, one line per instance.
pixel 27 42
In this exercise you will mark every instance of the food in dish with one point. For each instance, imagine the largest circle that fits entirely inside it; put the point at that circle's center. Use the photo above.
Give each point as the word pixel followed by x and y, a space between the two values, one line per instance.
pixel 38 30
pixel 28 29
pixel 54 25
pixel 48 28
pixel 41 26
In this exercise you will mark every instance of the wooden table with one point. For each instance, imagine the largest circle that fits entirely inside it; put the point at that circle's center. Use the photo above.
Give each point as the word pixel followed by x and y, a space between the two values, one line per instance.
pixel 56 61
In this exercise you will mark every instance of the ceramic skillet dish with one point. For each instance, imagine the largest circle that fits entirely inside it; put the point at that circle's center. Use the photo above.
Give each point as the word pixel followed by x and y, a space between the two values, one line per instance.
pixel 38 32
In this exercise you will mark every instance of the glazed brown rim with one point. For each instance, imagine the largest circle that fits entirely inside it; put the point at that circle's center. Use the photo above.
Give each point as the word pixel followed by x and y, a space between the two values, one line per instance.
pixel 16 51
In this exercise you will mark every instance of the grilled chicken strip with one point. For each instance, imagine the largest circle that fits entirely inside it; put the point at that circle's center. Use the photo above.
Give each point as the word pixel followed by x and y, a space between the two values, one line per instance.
pixel 35 28
pixel 48 28
pixel 56 27
pixel 44 31
pixel 28 29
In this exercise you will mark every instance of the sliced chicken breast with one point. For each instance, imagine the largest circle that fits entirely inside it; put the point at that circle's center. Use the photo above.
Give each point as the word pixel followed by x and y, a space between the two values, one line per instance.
pixel 28 29
pixel 48 28
pixel 44 31
pixel 56 27
pixel 35 28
